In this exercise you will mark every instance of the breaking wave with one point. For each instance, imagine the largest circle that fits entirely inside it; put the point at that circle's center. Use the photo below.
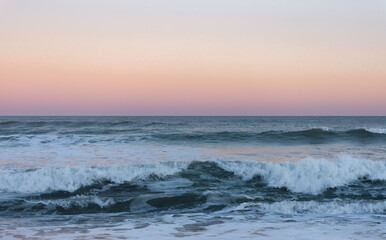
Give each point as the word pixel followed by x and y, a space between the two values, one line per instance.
pixel 73 178
pixel 309 175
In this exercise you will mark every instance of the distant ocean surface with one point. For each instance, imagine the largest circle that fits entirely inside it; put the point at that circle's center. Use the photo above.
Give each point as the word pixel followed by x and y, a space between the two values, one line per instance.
pixel 193 177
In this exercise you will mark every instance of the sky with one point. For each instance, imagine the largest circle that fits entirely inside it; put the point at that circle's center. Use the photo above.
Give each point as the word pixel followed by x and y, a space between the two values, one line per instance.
pixel 201 57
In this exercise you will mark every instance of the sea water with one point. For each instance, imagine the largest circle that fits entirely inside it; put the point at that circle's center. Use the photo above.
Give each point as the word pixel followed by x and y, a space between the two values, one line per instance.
pixel 193 177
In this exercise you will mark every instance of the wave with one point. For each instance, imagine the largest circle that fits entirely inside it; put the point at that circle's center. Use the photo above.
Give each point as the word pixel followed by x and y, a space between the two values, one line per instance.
pixel 154 131
pixel 135 134
pixel 73 178
pixel 312 136
pixel 87 203
pixel 301 207
pixel 123 123
pixel 6 123
pixel 343 186
pixel 79 201
pixel 83 203
pixel 309 175
pixel 376 130
pixel 99 131
pixel 86 123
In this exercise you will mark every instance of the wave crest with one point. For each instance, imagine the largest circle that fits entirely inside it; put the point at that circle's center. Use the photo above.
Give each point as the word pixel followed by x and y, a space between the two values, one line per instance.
pixel 376 130
pixel 73 178
pixel 309 175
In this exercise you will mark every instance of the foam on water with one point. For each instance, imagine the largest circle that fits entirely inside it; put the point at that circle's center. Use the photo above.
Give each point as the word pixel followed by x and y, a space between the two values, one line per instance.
pixel 192 177
pixel 283 207
pixel 72 178
pixel 328 208
pixel 376 130
pixel 81 201
pixel 201 226
pixel 309 175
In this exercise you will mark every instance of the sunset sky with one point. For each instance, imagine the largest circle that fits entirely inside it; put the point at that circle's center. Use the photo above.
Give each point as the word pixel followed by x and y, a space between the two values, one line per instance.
pixel 197 57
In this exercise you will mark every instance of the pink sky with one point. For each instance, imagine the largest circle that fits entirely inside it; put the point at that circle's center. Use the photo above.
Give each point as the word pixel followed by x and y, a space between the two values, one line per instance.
pixel 185 58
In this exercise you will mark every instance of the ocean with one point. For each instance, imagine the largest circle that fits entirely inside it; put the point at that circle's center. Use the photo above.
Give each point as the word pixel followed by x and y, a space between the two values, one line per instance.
pixel 193 177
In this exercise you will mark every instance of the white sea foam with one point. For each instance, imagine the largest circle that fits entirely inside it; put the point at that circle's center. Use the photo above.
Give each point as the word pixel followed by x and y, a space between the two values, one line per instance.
pixel 376 130
pixel 329 208
pixel 79 201
pixel 72 178
pixel 198 226
pixel 309 175
pixel 327 129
